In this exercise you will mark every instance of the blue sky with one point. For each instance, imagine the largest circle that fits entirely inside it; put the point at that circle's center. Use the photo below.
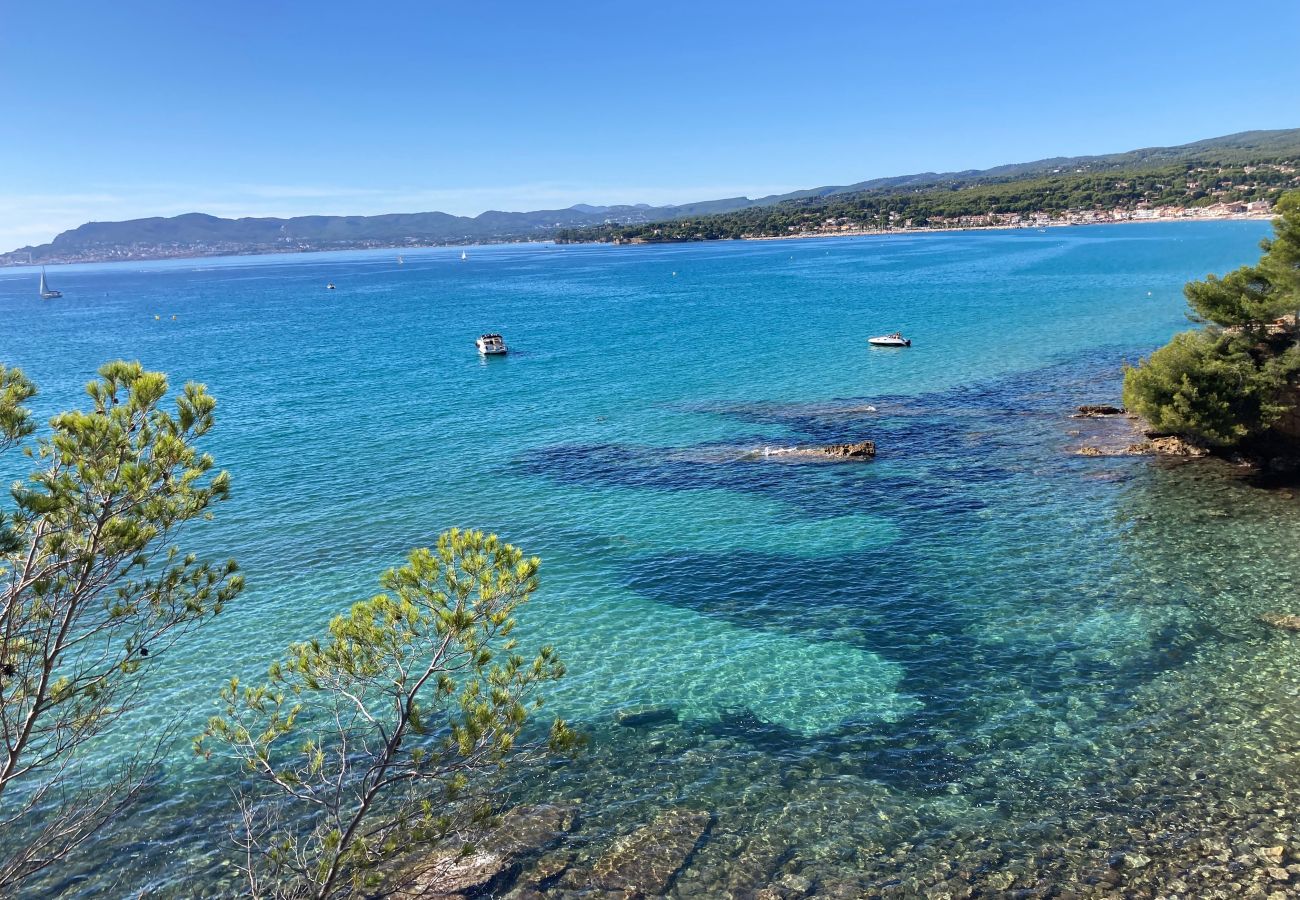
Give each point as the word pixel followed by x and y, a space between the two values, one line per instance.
pixel 126 109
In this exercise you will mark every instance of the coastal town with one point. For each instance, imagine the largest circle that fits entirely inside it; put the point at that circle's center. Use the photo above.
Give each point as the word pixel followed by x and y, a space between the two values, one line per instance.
pixel 1257 209
pixel 845 226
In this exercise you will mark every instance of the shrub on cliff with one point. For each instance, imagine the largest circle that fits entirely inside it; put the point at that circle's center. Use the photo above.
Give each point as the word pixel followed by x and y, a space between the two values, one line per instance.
pixel 1230 382
pixel 1215 389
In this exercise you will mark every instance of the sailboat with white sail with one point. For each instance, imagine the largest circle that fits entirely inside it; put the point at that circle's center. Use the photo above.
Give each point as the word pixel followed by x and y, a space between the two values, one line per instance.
pixel 47 292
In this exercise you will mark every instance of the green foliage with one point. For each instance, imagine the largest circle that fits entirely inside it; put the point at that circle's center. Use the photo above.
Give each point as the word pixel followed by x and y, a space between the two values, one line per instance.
pixel 375 737
pixel 1245 298
pixel 15 425
pixel 1224 387
pixel 1195 182
pixel 1254 296
pixel 92 588
pixel 1216 389
pixel 1281 262
pixel 15 419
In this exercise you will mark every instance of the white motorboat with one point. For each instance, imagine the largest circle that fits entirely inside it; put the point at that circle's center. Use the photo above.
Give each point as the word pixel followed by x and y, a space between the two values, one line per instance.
pixel 330 286
pixel 47 292
pixel 890 340
pixel 492 345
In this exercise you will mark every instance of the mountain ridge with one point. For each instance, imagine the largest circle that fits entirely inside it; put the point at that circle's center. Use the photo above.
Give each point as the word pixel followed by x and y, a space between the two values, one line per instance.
pixel 199 234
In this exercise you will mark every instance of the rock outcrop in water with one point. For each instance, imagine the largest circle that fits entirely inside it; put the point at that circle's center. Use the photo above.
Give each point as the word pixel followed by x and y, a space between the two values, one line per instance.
pixel 851 451
pixel 1109 438
pixel 860 450
pixel 1172 445
pixel 1165 445
pixel 1097 410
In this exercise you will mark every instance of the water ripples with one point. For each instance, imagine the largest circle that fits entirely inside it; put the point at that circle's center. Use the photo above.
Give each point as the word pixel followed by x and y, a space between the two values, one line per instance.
pixel 978 653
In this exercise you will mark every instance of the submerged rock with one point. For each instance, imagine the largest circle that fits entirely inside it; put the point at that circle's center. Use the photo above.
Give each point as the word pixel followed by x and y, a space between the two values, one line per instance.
pixel 1136 860
pixel 1097 410
pixel 529 829
pixel 449 874
pixel 1274 855
pixel 1281 620
pixel 795 884
pixel 640 716
pixel 647 861
pixel 547 870
pixel 756 864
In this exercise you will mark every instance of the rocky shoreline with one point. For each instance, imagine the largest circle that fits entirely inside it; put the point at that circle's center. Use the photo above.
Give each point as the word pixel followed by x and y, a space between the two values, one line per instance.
pixel 1133 438
pixel 1155 445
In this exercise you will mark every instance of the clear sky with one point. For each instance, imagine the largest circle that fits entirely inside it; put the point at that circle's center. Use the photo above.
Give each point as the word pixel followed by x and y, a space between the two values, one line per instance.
pixel 277 107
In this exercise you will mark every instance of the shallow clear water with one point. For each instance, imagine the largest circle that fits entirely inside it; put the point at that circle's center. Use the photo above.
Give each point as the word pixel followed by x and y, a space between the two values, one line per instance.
pixel 942 661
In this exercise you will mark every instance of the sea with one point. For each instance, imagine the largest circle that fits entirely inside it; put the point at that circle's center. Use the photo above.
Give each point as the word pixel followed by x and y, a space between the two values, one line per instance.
pixel 978 661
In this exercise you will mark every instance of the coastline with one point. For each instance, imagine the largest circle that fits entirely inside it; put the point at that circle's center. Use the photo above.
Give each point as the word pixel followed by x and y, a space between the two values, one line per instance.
pixel 270 251
pixel 874 232
pixel 22 268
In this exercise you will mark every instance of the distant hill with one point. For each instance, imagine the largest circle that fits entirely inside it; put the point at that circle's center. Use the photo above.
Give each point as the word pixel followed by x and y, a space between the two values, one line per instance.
pixel 197 234
pixel 1243 147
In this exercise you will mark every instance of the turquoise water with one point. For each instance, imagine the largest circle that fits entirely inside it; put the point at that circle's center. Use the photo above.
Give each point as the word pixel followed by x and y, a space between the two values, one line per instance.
pixel 941 661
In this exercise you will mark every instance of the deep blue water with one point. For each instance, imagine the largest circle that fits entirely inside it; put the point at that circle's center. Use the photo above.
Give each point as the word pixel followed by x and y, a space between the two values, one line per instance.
pixel 972 634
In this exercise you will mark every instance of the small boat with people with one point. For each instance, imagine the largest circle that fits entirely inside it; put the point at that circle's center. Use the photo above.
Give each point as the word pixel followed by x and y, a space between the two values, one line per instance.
pixel 492 345
pixel 47 292
pixel 890 340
